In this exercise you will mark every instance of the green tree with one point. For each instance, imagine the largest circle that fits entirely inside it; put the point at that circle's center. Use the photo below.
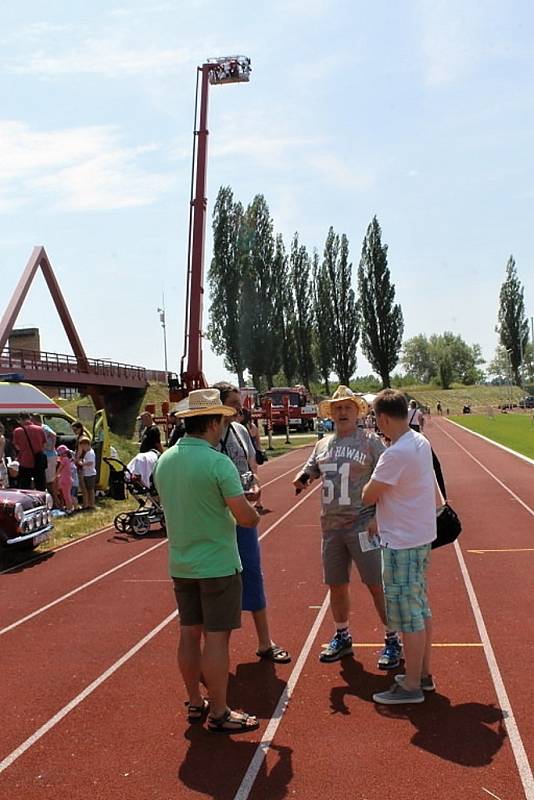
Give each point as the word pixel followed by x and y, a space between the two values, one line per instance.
pixel 417 359
pixel 513 325
pixel 345 332
pixel 444 357
pixel 303 305
pixel 454 359
pixel 382 324
pixel 284 306
pixel 324 322
pixel 224 278
pixel 260 336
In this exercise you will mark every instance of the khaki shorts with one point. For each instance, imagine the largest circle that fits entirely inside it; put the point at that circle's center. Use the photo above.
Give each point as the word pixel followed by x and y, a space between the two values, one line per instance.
pixel 214 603
pixel 342 547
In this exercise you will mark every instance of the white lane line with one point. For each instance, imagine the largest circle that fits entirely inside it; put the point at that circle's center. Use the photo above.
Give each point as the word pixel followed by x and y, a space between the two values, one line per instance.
pixel 518 749
pixel 79 588
pixel 490 473
pixel 293 469
pixel 491 793
pixel 282 518
pixel 270 731
pixel 493 442
pixel 53 721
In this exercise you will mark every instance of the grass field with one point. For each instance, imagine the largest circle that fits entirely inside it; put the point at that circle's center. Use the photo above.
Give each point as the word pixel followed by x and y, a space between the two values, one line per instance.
pixel 478 397
pixel 513 430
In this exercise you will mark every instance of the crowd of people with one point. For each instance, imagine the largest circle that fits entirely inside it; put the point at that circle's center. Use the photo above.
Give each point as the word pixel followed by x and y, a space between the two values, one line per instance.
pixel 379 501
pixel 381 485
pixel 30 459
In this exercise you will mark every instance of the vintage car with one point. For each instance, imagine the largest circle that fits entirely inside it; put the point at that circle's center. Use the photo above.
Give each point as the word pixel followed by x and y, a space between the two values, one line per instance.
pixel 25 517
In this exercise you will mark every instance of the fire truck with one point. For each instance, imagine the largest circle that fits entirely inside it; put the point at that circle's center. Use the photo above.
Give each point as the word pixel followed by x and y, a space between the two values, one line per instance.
pixel 299 407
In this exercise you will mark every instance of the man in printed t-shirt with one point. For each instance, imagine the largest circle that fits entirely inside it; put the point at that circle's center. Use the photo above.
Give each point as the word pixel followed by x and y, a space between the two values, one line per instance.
pixel 345 462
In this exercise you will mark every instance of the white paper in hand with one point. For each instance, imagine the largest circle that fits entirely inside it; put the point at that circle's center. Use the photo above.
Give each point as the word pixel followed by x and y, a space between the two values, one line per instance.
pixel 369 542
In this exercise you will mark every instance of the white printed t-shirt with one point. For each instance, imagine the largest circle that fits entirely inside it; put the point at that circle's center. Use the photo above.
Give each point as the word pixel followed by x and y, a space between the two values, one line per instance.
pixel 89 464
pixel 345 464
pixel 406 512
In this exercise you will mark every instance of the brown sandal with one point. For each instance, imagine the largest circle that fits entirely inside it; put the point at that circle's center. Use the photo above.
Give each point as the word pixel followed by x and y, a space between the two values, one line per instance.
pixel 275 654
pixel 238 723
pixel 197 713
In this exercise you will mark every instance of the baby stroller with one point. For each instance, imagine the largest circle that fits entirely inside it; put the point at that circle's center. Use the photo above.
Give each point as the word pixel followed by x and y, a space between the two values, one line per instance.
pixel 122 482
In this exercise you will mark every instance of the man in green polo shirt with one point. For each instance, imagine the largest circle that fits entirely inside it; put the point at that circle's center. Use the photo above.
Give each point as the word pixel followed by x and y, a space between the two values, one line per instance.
pixel 203 498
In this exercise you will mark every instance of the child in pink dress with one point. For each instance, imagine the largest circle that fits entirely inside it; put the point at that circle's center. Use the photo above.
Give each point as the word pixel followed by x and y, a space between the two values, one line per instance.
pixel 64 476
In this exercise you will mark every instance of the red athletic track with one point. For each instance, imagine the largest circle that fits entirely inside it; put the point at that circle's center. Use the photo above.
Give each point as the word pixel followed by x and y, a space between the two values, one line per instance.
pixel 129 739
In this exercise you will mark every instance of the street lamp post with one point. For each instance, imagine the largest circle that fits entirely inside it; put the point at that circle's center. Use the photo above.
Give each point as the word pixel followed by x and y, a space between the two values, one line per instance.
pixel 509 354
pixel 161 312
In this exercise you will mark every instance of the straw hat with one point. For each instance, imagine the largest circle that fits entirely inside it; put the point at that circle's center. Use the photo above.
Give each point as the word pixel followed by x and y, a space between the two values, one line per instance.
pixel 201 402
pixel 343 393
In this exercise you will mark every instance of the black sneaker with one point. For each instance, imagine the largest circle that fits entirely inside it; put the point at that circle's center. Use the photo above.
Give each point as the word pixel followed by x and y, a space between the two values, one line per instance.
pixel 390 656
pixel 339 646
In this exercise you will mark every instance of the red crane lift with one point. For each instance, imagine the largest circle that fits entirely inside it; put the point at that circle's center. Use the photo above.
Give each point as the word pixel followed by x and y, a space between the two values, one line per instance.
pixel 229 69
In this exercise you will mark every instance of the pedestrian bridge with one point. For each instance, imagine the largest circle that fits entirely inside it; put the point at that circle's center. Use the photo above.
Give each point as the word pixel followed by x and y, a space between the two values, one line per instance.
pixel 59 369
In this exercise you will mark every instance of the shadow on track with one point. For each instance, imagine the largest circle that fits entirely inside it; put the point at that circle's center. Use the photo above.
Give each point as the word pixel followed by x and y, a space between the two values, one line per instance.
pixel 469 734
pixel 461 734
pixel 214 765
pixel 127 538
pixel 18 561
pixel 255 687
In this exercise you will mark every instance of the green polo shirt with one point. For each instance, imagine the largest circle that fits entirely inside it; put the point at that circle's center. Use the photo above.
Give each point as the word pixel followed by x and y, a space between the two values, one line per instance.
pixel 192 480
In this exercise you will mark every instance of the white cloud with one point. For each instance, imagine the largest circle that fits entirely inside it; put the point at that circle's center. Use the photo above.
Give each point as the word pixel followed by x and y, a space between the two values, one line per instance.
pixel 102 57
pixel 339 173
pixel 450 39
pixel 76 168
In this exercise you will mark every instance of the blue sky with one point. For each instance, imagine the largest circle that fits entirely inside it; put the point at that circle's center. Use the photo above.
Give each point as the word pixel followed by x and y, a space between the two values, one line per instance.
pixel 420 112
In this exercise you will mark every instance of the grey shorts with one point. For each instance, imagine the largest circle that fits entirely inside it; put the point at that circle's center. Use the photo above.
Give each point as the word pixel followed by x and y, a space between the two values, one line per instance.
pixel 214 603
pixel 90 482
pixel 339 549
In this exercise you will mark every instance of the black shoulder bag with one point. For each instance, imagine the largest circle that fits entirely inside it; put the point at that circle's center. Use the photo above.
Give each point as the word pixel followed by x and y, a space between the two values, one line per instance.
pixel 449 526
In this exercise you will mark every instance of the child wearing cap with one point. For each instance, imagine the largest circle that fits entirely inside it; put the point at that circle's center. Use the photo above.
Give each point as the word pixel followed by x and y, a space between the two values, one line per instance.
pixel 64 477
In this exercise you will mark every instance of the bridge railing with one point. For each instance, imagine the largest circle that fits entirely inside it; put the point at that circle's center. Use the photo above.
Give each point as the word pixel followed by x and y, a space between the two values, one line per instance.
pixel 61 362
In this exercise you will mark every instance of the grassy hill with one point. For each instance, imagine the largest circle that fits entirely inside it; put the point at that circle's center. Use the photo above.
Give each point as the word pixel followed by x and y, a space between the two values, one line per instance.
pixel 478 397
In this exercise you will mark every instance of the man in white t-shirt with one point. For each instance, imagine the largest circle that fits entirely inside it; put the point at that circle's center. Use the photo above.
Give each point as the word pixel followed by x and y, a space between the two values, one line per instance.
pixel 406 495
pixel 416 418
pixel 142 465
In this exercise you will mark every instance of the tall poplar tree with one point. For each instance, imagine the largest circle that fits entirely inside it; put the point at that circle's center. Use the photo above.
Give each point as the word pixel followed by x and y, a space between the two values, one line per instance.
pixel 300 280
pixel 513 325
pixel 285 311
pixel 224 277
pixel 382 324
pixel 260 336
pixel 324 322
pixel 345 317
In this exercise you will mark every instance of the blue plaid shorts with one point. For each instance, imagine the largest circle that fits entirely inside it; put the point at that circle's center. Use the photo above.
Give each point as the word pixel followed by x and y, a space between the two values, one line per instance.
pixel 404 579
